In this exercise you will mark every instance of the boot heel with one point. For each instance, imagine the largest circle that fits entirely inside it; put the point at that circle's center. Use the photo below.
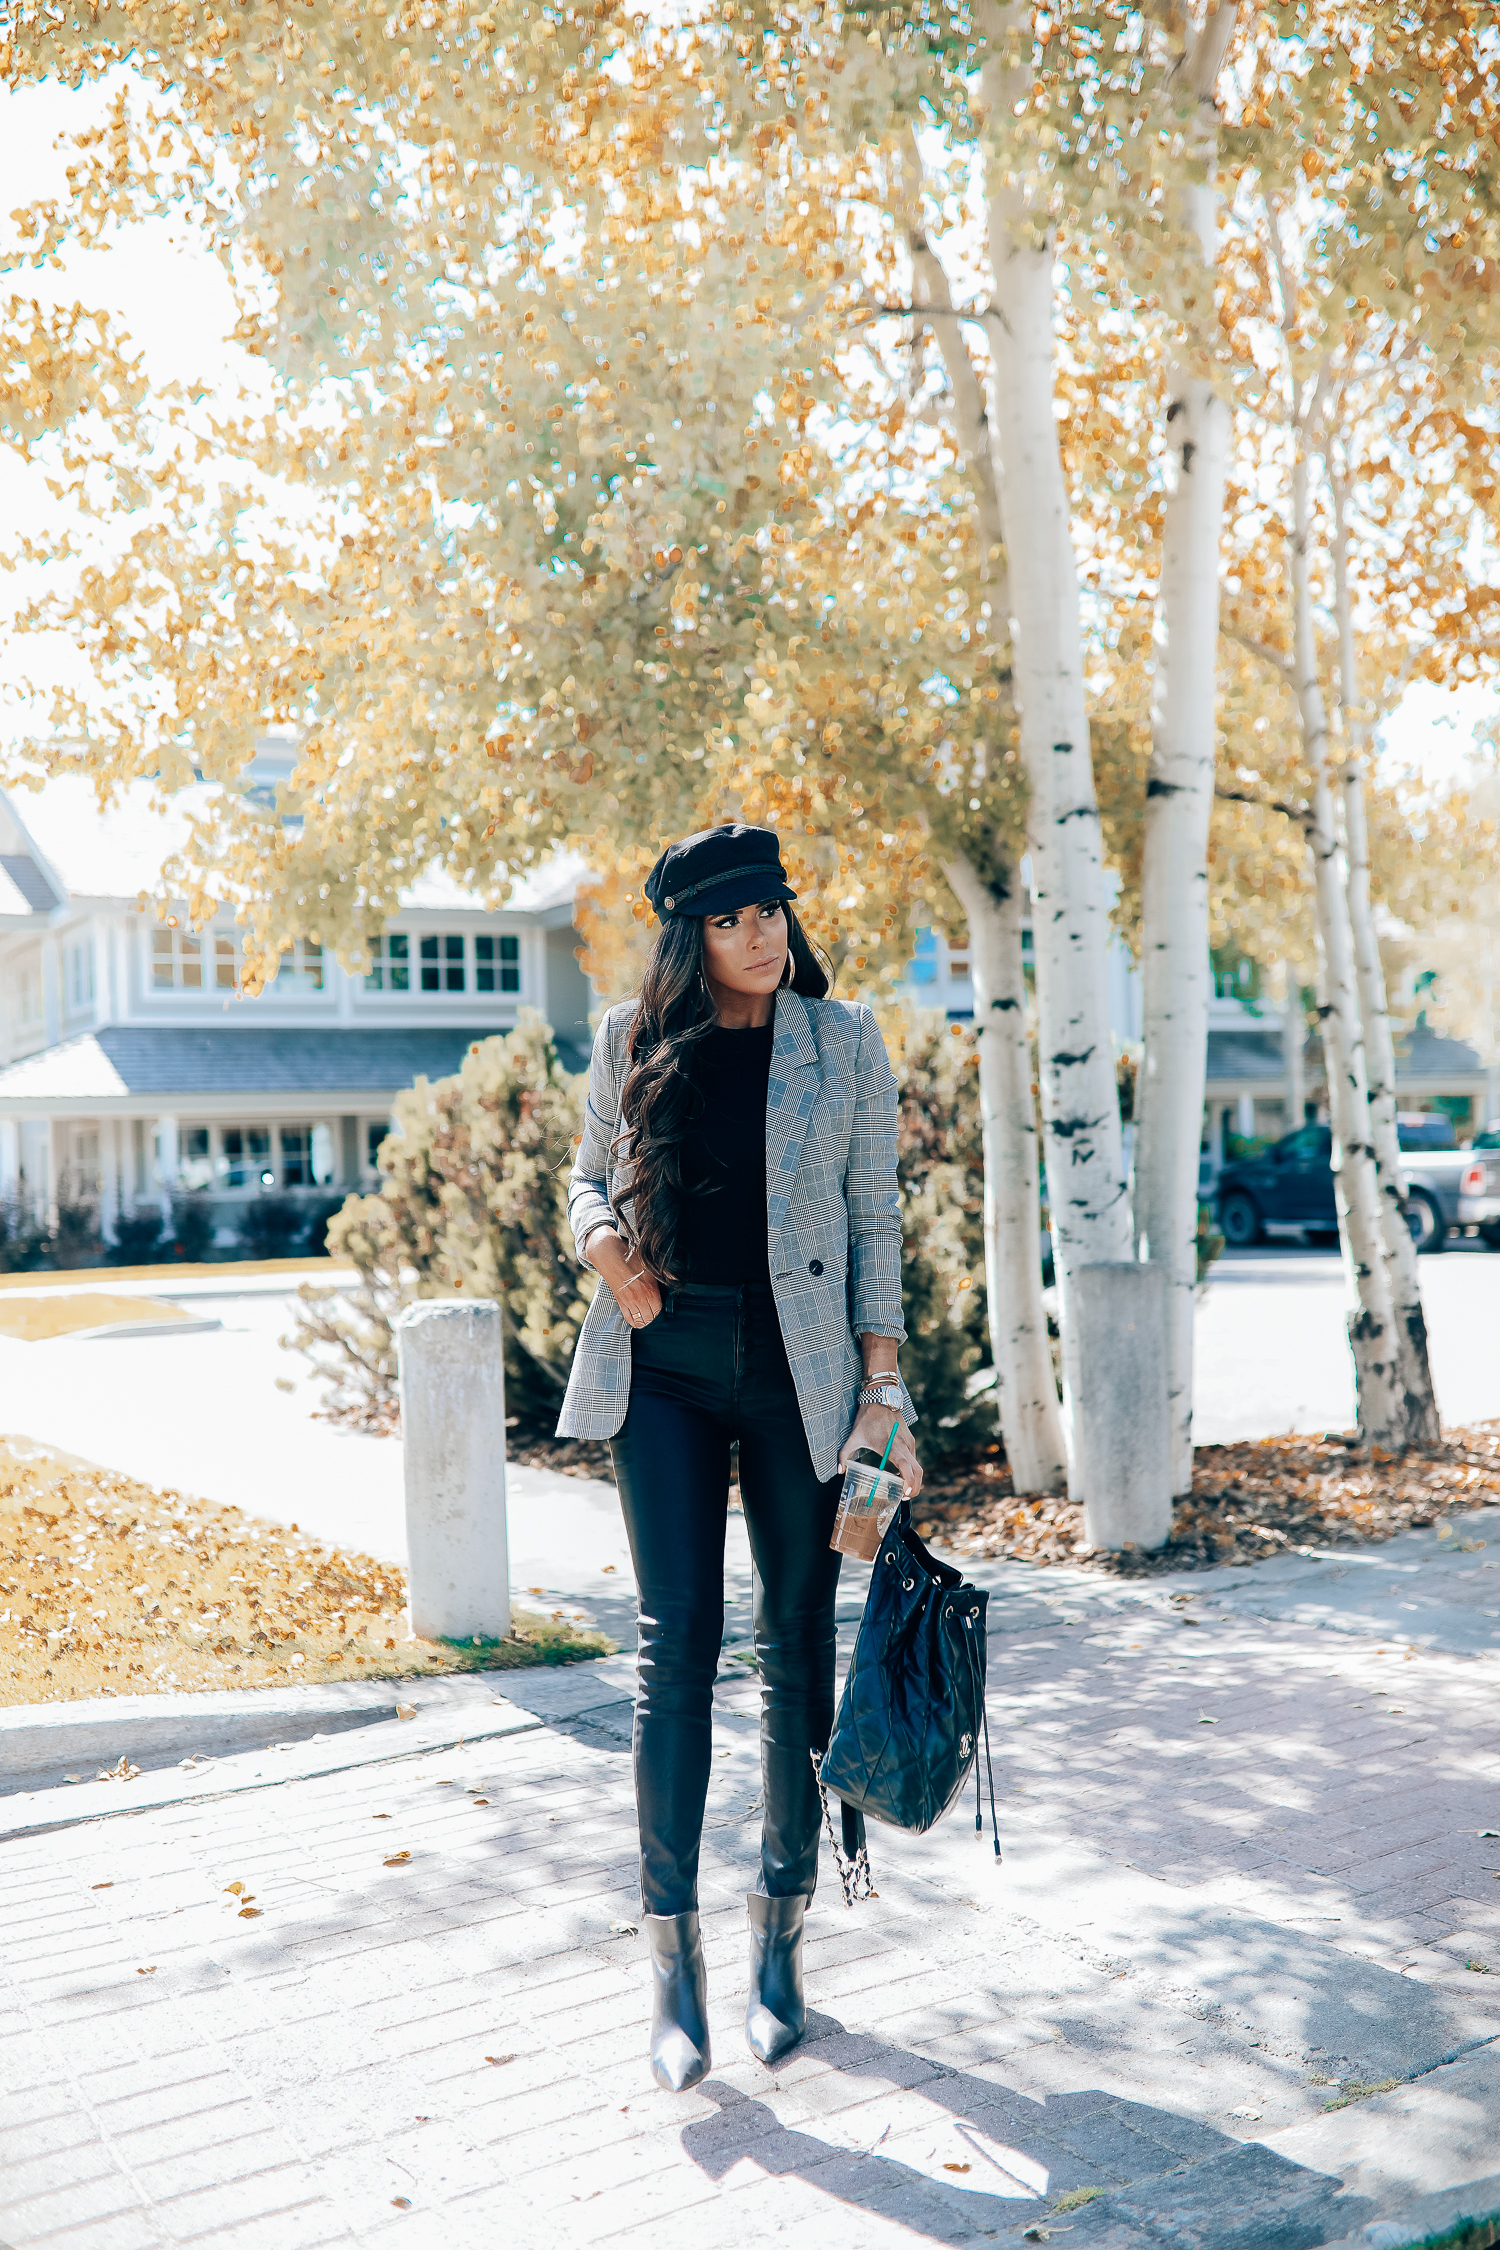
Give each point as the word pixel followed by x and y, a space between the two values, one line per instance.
pixel 776 2016
pixel 679 2008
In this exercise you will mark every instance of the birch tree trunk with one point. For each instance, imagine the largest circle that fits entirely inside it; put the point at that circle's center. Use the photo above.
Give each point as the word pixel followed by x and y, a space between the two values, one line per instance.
pixel 1179 801
pixel 1086 1189
pixel 1293 1040
pixel 1026 1389
pixel 1174 887
pixel 1417 1396
pixel 1371 1324
pixel 1027 1392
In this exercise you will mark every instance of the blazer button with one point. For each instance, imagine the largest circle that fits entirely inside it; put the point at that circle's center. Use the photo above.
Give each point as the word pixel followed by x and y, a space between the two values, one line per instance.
pixel 815 1265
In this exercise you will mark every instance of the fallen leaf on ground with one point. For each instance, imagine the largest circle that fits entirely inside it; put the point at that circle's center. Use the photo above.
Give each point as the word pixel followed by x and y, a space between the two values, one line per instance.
pixel 147 1972
pixel 404 1710
pixel 955 2167
pixel 237 1888
pixel 380 1816
pixel 396 1859
pixel 249 1911
pixel 401 2202
pixel 1205 1721
pixel 624 1929
pixel 101 1886
pixel 499 2058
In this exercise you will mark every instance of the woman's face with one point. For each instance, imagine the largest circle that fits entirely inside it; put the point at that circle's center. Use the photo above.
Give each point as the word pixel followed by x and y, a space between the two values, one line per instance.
pixel 745 951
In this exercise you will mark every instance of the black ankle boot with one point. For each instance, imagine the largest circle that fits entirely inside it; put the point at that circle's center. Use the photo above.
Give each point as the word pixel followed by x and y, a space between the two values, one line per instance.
pixel 777 2014
pixel 679 2010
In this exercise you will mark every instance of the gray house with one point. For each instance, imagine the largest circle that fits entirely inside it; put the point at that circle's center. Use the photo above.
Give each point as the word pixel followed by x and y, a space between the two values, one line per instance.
pixel 133 1069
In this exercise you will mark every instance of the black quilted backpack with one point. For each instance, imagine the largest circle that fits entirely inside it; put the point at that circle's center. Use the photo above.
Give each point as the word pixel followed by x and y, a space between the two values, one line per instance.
pixel 912 1712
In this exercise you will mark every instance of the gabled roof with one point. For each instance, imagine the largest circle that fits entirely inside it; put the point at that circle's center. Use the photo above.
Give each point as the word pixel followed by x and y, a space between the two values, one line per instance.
pixel 123 1061
pixel 1245 1053
pixel 1430 1054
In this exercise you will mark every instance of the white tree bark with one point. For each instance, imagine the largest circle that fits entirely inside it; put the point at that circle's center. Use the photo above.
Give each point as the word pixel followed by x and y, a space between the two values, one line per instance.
pixel 1030 1421
pixel 932 299
pixel 1179 801
pixel 1174 886
pixel 1372 1338
pixel 1293 1041
pixel 1026 1389
pixel 1418 1399
pixel 1086 1189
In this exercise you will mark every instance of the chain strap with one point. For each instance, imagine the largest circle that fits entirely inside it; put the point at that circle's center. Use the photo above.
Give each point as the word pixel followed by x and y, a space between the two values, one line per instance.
pixel 854 1874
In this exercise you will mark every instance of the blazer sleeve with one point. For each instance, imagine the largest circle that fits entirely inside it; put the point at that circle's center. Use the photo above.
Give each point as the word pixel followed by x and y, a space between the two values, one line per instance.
pixel 588 1182
pixel 871 1192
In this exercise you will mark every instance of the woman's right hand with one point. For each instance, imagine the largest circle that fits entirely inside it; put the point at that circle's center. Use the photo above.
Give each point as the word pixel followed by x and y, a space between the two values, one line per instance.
pixel 633 1289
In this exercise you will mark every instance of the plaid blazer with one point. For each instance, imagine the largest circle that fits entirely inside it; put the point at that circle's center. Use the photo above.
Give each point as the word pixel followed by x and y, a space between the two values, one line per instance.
pixel 833 1215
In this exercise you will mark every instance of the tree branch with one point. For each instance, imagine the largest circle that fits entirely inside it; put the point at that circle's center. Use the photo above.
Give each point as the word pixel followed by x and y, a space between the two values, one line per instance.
pixel 969 405
pixel 1301 814
pixel 1271 656
pixel 1206 47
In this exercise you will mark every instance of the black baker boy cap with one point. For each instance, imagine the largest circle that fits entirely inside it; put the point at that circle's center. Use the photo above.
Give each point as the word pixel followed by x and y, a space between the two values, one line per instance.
pixel 718 871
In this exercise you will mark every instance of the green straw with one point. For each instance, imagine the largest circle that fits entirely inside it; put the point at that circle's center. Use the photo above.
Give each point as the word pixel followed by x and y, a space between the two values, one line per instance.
pixel 890 1441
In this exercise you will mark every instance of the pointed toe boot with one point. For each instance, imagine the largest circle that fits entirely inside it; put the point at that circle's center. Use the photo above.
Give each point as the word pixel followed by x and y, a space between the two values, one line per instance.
pixel 777 2014
pixel 679 2008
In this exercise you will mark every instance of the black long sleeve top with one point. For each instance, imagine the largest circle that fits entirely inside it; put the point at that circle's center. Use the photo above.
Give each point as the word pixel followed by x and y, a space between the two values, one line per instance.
pixel 721 1224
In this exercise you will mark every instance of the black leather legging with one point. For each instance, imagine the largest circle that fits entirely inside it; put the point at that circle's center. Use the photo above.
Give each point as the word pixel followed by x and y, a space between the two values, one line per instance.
pixel 712 1367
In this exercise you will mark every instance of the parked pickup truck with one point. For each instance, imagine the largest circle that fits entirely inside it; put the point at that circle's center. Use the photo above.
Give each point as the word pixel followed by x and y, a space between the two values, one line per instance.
pixel 1289 1189
pixel 1479 1186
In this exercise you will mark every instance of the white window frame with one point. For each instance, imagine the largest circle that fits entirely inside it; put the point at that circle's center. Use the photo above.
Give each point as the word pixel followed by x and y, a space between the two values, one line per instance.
pixel 28 986
pixel 305 959
pixel 211 950
pixel 216 1163
pixel 78 974
pixel 439 960
pixel 386 964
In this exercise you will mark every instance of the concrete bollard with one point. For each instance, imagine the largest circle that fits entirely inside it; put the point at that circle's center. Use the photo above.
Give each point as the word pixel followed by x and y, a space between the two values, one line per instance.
pixel 1122 1431
pixel 453 1429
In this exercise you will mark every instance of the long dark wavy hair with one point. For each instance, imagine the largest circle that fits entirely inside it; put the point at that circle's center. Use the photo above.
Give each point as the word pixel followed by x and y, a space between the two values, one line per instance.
pixel 659 1102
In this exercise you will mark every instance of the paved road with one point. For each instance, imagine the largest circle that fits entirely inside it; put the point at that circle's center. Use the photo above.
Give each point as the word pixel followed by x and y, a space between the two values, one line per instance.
pixel 1247 1875
pixel 1272 1354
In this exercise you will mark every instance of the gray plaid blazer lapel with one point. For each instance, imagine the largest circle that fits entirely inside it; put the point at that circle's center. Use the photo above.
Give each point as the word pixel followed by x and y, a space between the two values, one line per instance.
pixel 793 1088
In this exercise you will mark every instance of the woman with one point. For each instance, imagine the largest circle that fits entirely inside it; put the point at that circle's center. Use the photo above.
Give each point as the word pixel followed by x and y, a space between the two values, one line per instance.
pixel 735 1188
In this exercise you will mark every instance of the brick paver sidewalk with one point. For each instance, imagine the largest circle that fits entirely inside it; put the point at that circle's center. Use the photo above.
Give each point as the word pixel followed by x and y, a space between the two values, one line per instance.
pixel 1245 1875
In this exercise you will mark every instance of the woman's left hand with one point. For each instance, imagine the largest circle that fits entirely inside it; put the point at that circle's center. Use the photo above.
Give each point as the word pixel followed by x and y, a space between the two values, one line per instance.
pixel 872 1426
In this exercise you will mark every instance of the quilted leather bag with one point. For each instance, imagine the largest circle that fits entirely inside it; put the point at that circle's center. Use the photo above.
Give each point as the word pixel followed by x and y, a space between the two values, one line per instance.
pixel 909 1721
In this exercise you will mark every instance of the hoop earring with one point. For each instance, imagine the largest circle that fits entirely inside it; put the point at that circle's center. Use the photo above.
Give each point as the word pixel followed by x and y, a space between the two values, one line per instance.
pixel 787 973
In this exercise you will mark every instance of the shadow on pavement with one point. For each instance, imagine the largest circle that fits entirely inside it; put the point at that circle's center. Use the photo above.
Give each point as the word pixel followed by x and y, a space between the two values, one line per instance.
pixel 989 2160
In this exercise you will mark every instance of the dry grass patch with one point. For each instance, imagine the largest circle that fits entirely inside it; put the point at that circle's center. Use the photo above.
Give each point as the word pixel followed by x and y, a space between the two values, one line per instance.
pixel 32 1320
pixel 109 1587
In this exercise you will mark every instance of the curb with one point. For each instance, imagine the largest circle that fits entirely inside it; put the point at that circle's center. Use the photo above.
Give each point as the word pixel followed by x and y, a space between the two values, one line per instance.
pixel 1435 2214
pixel 75 1277
pixel 314 1730
pixel 41 1743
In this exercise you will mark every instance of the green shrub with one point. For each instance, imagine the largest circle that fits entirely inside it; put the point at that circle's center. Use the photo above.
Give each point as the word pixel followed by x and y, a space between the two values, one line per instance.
pixel 474 1203
pixel 137 1239
pixel 940 1171
pixel 270 1226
